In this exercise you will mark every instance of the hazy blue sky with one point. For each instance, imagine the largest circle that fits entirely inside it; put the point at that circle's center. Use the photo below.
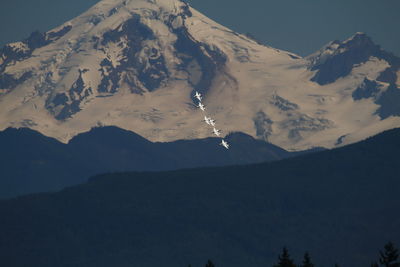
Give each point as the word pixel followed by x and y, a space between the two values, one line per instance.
pixel 300 26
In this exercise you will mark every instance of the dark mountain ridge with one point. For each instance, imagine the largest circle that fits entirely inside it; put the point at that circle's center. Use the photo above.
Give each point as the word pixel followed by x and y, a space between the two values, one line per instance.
pixel 340 205
pixel 31 162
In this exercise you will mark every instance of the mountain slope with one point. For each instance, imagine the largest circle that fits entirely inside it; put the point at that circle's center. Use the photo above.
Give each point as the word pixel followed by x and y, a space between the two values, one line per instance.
pixel 340 205
pixel 136 63
pixel 338 59
pixel 31 162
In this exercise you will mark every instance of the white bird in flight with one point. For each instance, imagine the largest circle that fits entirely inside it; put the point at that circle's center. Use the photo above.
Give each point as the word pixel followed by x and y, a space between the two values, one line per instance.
pixel 216 132
pixel 198 96
pixel 207 120
pixel 211 122
pixel 202 107
pixel 225 144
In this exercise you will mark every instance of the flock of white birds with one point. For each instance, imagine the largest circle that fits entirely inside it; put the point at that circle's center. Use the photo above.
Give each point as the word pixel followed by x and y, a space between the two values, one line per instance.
pixel 209 121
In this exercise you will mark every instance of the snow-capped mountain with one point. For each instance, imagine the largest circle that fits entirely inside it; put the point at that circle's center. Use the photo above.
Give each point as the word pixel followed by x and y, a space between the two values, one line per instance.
pixel 135 64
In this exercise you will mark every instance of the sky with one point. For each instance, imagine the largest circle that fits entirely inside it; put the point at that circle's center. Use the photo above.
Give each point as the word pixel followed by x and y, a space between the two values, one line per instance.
pixel 299 26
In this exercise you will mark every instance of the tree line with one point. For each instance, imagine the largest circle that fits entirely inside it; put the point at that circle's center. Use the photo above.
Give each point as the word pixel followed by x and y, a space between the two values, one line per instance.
pixel 388 257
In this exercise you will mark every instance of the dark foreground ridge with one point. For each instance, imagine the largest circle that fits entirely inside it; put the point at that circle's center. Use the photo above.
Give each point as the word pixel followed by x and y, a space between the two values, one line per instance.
pixel 340 205
pixel 31 162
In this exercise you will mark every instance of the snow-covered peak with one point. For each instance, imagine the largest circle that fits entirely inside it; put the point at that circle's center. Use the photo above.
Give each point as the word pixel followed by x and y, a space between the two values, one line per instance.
pixel 324 53
pixel 359 43
pixel 337 59
pixel 109 14
pixel 358 37
pixel 136 64
pixel 111 7
pixel 168 5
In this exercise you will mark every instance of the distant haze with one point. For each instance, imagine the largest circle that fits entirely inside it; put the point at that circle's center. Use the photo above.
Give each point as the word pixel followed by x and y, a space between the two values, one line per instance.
pixel 299 26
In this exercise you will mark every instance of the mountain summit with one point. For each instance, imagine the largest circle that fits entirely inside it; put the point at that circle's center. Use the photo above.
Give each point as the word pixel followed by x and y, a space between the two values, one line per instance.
pixel 135 64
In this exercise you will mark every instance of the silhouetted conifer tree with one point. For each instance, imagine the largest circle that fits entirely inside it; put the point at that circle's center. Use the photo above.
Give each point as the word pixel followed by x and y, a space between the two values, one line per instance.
pixel 284 259
pixel 389 257
pixel 374 264
pixel 307 261
pixel 210 264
